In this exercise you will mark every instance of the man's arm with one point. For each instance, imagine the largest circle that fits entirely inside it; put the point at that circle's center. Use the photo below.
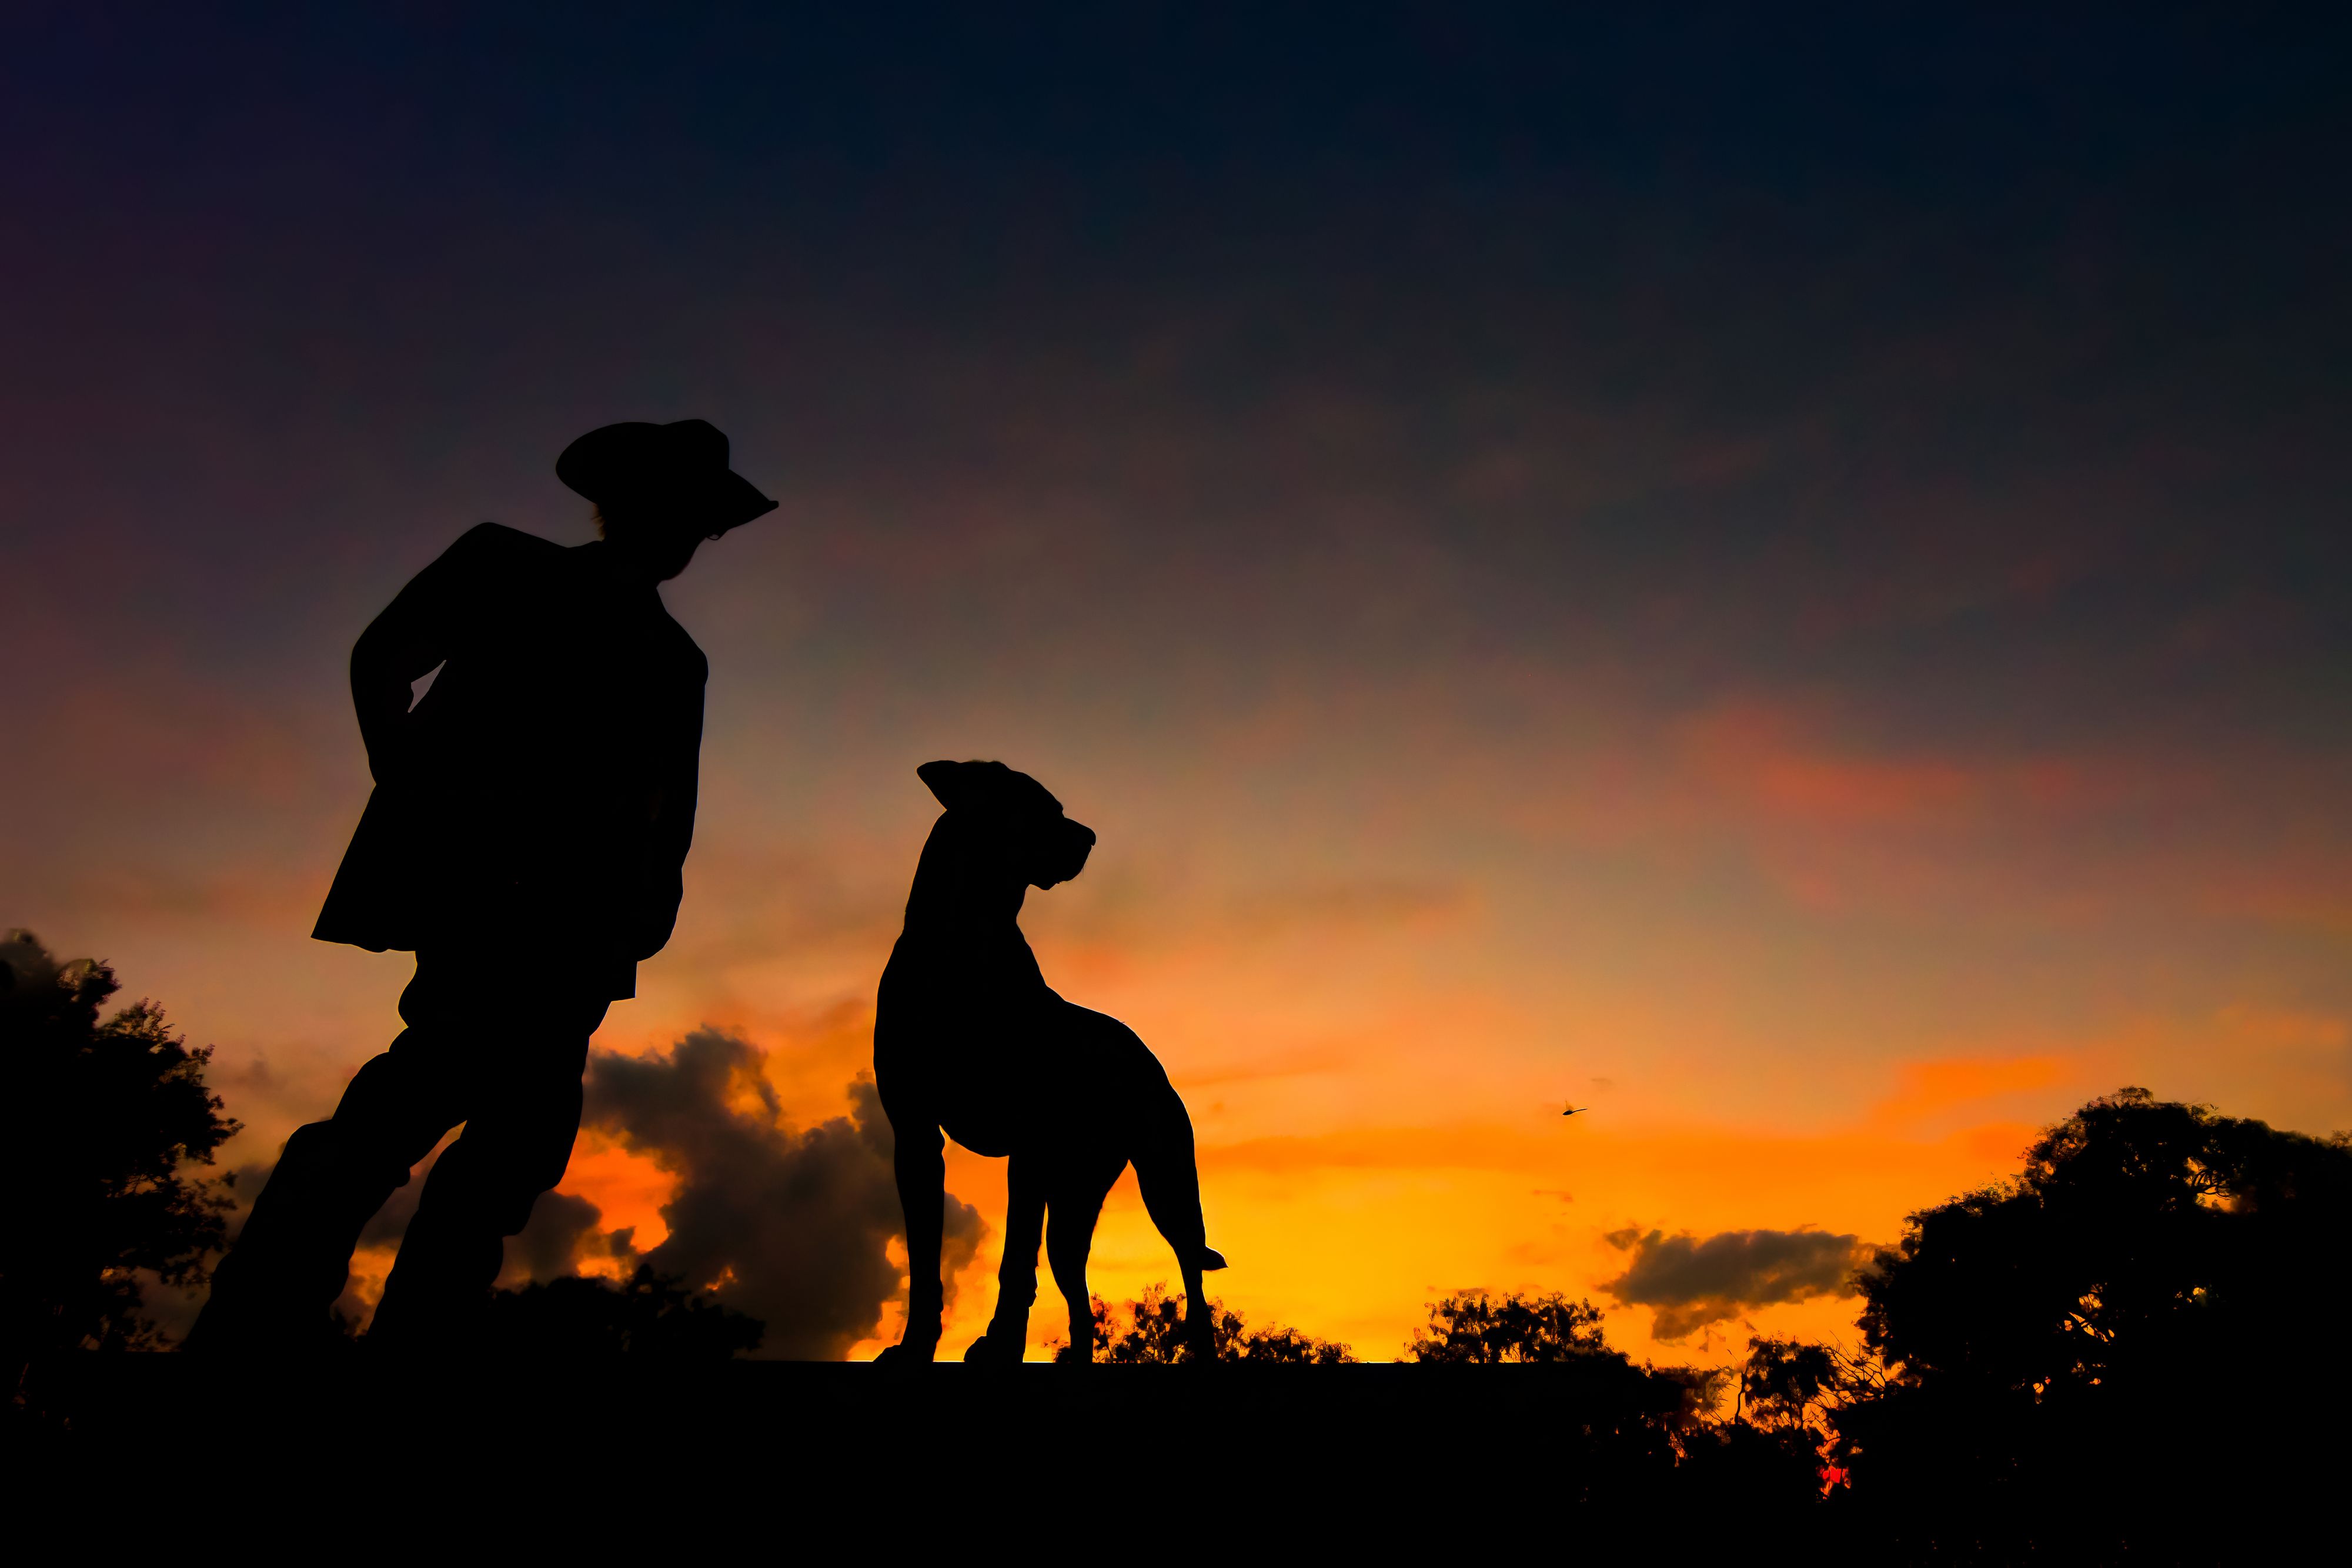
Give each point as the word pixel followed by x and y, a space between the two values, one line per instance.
pixel 410 638
pixel 661 884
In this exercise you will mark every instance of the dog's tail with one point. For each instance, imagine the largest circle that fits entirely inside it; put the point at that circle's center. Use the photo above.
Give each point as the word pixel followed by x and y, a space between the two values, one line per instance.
pixel 1167 1171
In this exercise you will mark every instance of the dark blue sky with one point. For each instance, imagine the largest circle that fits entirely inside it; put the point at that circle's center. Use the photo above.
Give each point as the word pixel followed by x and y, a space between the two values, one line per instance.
pixel 1890 303
pixel 1886 303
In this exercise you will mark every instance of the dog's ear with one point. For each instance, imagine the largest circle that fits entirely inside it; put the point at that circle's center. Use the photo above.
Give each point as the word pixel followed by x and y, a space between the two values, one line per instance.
pixel 941 779
pixel 983 787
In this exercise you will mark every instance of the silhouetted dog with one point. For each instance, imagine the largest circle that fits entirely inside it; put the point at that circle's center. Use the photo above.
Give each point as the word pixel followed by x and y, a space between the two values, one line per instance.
pixel 968 1038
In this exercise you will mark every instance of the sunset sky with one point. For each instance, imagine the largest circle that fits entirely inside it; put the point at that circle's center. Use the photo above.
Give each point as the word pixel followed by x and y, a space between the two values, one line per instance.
pixel 1787 584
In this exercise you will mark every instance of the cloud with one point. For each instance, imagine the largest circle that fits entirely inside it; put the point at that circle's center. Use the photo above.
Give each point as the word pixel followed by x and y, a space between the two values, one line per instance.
pixel 563 1229
pixel 791 1227
pixel 1692 1282
pixel 1760 753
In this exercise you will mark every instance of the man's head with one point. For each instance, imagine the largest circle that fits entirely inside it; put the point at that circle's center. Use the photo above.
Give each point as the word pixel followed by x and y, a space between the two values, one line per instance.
pixel 660 490
pixel 1016 815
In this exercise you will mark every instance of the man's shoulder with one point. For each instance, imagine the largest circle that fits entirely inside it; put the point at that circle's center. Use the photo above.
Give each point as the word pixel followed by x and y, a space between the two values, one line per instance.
pixel 496 540
pixel 492 553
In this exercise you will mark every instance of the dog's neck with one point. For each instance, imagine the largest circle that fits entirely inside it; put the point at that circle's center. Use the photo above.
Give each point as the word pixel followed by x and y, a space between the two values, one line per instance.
pixel 963 883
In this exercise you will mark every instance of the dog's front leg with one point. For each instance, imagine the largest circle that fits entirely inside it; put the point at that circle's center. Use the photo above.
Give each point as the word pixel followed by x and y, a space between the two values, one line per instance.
pixel 1016 1277
pixel 922 1173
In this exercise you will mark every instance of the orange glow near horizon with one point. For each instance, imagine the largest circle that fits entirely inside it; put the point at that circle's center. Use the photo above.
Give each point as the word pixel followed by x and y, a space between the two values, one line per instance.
pixel 1376 1015
pixel 1376 1005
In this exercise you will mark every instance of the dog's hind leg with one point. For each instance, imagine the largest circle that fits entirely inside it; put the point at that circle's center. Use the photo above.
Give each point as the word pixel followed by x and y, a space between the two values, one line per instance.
pixel 1016 1277
pixel 1168 1173
pixel 1074 1201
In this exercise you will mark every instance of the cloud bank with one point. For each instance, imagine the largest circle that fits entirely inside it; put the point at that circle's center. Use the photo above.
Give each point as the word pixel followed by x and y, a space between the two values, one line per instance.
pixel 791 1227
pixel 1691 1281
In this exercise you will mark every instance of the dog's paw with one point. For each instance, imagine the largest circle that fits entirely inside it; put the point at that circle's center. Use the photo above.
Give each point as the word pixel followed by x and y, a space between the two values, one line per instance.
pixel 993 1350
pixel 904 1354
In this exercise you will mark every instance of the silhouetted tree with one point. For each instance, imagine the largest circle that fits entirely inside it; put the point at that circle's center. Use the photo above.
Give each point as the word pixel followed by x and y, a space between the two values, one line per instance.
pixel 110 1118
pixel 1552 1331
pixel 1277 1344
pixel 1769 1464
pixel 1769 1478
pixel 2095 1329
pixel 578 1317
pixel 1153 1335
pixel 1799 1386
pixel 1477 1330
pixel 1584 1424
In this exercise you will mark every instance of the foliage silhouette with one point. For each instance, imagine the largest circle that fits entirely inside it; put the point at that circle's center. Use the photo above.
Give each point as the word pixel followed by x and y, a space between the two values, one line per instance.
pixel 2137 1230
pixel 1154 1335
pixel 1769 1478
pixel 1591 1427
pixel 1770 1462
pixel 649 1314
pixel 100 1169
pixel 2091 1329
pixel 1477 1330
pixel 1798 1388
pixel 1278 1345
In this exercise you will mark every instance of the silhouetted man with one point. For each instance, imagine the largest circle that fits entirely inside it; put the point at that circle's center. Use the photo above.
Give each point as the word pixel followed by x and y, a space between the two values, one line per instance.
pixel 530 816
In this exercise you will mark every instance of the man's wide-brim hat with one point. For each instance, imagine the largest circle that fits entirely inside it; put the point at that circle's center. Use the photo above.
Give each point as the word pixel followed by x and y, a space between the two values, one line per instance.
pixel 668 471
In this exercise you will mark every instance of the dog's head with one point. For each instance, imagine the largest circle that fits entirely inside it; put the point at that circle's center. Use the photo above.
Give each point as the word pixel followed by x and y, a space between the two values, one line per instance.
pixel 1012 813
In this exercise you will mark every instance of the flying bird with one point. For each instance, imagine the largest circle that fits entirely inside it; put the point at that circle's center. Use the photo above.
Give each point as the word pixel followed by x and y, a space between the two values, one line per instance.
pixel 1573 1110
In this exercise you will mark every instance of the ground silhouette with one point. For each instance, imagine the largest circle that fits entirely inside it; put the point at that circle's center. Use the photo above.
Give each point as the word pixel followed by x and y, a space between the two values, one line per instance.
pixel 531 813
pixel 102 1165
pixel 970 1042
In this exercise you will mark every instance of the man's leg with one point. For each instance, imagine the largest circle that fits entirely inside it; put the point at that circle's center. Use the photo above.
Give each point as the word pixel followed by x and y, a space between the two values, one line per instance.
pixel 516 1144
pixel 293 1257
